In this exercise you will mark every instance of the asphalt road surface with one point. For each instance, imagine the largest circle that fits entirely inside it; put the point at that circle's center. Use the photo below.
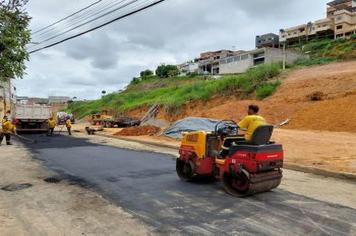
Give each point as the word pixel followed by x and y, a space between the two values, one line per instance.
pixel 145 184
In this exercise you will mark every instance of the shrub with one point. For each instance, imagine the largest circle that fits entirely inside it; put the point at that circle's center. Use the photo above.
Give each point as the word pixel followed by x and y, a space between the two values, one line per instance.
pixel 135 81
pixel 165 71
pixel 267 89
pixel 146 73
pixel 314 61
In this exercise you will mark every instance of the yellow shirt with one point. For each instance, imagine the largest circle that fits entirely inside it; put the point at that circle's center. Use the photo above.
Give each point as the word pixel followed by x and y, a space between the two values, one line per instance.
pixel 251 123
pixel 51 124
pixel 7 127
pixel 68 124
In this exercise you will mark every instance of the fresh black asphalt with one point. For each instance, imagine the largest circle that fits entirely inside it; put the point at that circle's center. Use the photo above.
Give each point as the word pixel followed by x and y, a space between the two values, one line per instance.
pixel 145 184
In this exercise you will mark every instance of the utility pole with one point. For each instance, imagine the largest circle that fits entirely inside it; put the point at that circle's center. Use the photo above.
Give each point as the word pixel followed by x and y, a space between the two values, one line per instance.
pixel 284 56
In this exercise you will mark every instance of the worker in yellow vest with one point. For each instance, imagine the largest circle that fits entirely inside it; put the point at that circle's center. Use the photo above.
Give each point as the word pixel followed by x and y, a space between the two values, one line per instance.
pixel 7 129
pixel 69 125
pixel 252 121
pixel 51 125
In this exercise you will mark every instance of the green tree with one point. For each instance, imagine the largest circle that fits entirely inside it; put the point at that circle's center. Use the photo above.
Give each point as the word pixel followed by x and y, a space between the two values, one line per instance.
pixel 135 80
pixel 146 73
pixel 165 71
pixel 14 36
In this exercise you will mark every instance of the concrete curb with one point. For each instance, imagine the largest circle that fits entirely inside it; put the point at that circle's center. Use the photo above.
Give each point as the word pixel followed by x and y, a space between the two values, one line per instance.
pixel 288 166
pixel 318 171
pixel 140 141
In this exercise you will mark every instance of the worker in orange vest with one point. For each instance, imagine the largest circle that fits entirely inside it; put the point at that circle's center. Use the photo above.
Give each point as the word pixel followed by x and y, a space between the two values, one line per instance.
pixel 7 129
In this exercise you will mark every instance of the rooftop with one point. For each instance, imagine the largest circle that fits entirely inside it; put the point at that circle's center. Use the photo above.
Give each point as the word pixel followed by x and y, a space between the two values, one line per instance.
pixel 337 2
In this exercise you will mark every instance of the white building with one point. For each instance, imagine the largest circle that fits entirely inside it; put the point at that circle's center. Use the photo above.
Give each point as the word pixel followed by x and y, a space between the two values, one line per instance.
pixel 58 100
pixel 242 62
pixel 189 67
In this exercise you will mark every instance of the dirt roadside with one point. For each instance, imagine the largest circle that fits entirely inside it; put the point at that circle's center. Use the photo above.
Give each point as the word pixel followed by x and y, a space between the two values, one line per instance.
pixel 54 209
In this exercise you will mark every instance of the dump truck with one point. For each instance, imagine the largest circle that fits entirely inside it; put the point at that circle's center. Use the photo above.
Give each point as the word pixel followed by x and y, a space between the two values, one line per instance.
pixel 31 118
pixel 110 121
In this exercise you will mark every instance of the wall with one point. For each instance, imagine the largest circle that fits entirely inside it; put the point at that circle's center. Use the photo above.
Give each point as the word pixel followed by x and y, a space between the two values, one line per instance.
pixel 236 66
pixel 273 55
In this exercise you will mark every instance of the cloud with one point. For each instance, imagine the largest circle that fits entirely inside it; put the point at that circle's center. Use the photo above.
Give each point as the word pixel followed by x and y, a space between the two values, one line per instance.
pixel 171 32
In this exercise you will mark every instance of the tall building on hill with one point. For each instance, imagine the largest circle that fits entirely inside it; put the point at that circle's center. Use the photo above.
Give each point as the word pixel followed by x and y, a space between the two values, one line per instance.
pixel 340 22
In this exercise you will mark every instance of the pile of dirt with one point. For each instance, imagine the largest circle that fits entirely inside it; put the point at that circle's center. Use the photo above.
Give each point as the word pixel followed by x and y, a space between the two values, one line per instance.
pixel 139 131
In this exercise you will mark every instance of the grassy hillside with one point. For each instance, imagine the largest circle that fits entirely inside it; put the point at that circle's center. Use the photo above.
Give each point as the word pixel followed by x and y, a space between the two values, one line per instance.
pixel 176 91
pixel 173 92
pixel 328 50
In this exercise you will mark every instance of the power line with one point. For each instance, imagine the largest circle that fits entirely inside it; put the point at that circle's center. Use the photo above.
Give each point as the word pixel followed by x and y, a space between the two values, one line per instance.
pixel 59 30
pixel 67 17
pixel 78 18
pixel 89 21
pixel 99 26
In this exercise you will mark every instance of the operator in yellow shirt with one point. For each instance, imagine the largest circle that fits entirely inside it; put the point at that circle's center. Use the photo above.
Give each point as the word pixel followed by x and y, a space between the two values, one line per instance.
pixel 7 129
pixel 252 121
pixel 69 125
pixel 51 125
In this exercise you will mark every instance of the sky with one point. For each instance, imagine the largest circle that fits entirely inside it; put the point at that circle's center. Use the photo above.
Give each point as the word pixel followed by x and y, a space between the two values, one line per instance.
pixel 172 32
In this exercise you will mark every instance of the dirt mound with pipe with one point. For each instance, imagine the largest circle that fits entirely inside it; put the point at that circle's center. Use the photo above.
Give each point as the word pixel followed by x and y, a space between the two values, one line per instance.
pixel 139 131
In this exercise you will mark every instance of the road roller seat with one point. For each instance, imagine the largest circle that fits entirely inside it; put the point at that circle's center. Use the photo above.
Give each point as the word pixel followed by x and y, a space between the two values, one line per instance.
pixel 262 135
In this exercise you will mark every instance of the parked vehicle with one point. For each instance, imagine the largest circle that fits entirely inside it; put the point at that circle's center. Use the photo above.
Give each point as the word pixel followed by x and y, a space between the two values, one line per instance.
pixel 62 117
pixel 109 121
pixel 32 118
pixel 121 122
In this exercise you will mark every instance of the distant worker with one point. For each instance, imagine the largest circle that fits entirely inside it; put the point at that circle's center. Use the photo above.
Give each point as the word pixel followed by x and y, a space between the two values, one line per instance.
pixel 252 121
pixel 7 129
pixel 51 125
pixel 69 125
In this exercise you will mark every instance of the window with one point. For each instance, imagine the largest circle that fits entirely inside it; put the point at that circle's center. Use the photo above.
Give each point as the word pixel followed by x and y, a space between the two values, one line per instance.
pixel 223 61
pixel 244 57
pixel 237 58
pixel 257 55
pixel 339 27
pixel 229 60
pixel 259 61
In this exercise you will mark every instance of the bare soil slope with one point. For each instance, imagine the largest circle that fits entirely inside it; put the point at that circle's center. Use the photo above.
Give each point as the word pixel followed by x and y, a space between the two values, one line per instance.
pixel 316 98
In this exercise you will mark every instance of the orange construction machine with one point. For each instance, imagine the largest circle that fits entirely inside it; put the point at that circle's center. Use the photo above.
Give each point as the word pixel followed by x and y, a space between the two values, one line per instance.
pixel 245 168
